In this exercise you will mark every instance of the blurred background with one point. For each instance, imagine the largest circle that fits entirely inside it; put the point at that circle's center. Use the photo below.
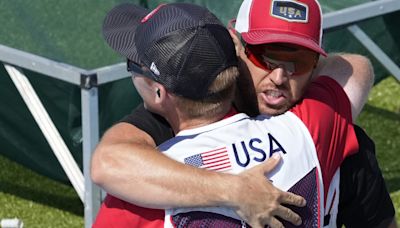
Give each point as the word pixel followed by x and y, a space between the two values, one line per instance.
pixel 34 187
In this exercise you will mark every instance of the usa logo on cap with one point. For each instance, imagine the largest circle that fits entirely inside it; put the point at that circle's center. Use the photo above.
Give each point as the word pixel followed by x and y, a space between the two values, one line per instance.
pixel 292 11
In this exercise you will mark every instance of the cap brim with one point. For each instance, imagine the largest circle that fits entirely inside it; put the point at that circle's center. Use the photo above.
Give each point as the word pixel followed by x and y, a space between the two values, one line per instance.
pixel 265 37
pixel 119 28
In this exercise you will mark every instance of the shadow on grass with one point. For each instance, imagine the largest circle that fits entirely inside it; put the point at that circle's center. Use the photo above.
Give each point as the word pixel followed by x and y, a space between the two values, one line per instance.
pixel 65 203
pixel 381 112
pixel 383 125
pixel 393 184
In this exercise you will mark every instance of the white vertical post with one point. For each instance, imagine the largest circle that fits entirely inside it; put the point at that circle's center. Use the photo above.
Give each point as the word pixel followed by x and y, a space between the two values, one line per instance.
pixel 90 134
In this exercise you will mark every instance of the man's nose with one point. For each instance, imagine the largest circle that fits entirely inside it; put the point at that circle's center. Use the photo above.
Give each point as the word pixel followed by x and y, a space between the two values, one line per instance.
pixel 279 76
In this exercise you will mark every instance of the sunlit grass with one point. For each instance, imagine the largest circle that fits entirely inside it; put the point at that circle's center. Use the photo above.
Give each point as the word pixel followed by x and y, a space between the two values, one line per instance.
pixel 37 200
pixel 381 120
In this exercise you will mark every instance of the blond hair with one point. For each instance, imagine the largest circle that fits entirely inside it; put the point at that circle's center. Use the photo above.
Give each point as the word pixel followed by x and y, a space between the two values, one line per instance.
pixel 221 95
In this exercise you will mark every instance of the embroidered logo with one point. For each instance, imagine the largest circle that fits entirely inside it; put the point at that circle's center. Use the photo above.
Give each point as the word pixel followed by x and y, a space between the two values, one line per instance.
pixel 290 10
pixel 154 69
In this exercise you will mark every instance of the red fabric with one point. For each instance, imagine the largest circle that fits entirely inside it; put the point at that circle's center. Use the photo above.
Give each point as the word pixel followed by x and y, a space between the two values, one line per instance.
pixel 326 112
pixel 231 112
pixel 119 214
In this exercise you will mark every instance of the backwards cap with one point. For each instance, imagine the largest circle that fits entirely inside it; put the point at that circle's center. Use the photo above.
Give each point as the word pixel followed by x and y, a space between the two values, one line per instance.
pixel 184 45
pixel 281 21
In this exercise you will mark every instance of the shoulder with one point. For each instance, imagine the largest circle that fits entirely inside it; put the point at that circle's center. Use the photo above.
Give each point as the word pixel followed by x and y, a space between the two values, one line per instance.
pixel 323 97
pixel 326 112
pixel 154 125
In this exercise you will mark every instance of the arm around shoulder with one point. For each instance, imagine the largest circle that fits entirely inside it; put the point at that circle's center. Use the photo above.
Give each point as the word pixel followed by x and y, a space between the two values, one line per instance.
pixel 354 73
pixel 127 165
pixel 115 156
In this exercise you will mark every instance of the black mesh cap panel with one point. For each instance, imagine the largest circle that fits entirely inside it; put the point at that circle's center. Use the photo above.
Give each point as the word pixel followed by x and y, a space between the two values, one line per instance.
pixel 224 40
pixel 188 46
pixel 202 66
pixel 184 45
pixel 119 28
pixel 168 55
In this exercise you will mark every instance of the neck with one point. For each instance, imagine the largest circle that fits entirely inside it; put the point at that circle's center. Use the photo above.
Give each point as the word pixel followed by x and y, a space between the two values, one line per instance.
pixel 180 122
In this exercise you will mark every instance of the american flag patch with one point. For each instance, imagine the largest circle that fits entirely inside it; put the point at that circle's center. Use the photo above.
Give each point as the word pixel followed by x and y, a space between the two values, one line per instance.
pixel 217 159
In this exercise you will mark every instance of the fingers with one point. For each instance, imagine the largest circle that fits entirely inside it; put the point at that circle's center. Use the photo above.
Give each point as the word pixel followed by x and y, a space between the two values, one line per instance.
pixel 266 211
pixel 286 197
pixel 282 212
pixel 275 223
pixel 266 166
pixel 288 215
pixel 256 225
pixel 270 164
pixel 292 199
pixel 271 223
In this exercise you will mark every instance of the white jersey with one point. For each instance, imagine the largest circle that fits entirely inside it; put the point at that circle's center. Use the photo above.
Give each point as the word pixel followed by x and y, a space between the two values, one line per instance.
pixel 313 140
pixel 238 143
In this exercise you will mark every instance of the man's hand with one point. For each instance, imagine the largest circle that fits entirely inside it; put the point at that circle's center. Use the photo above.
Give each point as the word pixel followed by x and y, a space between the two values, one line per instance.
pixel 156 181
pixel 259 202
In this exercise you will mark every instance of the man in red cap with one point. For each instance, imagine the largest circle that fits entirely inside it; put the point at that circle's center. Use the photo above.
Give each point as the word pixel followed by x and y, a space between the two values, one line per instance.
pixel 289 33
pixel 276 30
pixel 280 74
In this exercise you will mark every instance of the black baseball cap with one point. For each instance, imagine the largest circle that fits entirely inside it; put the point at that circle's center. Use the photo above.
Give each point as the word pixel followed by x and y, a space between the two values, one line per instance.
pixel 184 45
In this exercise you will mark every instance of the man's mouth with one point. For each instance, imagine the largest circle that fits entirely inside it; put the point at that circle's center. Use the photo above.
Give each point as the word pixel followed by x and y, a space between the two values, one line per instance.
pixel 273 97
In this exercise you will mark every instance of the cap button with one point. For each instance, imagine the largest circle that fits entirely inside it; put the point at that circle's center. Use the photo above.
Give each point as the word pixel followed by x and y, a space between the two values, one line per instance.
pixel 201 24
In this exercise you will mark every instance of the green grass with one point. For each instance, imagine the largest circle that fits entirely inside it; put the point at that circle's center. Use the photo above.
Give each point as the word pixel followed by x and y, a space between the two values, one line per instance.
pixel 41 202
pixel 381 120
pixel 37 200
pixel 396 200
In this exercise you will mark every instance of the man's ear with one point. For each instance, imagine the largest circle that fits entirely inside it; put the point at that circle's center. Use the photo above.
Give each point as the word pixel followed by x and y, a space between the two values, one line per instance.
pixel 238 44
pixel 160 93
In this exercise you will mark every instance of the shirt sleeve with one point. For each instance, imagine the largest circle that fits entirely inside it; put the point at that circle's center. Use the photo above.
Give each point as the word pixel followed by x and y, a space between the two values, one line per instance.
pixel 154 125
pixel 326 112
pixel 364 199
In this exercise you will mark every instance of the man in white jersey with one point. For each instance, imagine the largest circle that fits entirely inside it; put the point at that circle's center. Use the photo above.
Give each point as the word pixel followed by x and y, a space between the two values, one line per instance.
pixel 342 118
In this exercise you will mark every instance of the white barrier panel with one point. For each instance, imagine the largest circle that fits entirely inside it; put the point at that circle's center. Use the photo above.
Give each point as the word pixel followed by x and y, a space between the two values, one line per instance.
pixel 50 132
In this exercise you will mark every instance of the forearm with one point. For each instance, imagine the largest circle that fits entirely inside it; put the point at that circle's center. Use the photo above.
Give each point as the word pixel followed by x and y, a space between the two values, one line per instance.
pixel 137 173
pixel 131 169
pixel 149 179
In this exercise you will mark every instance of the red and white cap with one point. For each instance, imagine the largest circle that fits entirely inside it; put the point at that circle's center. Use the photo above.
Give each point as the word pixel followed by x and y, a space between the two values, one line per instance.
pixel 281 21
